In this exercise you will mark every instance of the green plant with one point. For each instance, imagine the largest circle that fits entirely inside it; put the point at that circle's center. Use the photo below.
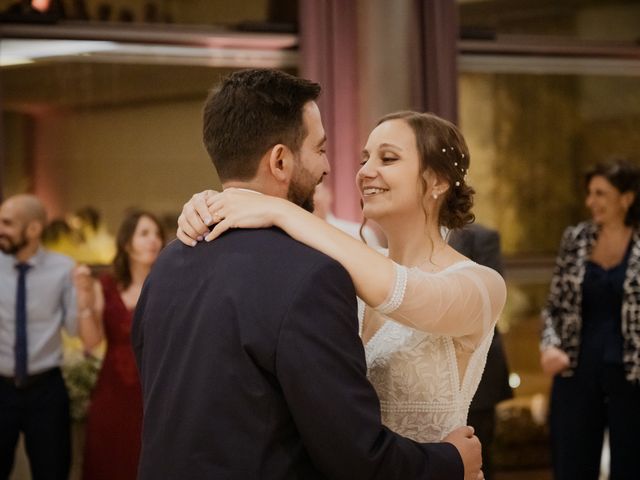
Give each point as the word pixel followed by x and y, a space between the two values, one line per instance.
pixel 80 374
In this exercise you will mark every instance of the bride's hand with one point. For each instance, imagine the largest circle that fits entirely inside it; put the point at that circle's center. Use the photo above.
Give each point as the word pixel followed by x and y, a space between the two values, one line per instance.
pixel 235 208
pixel 194 221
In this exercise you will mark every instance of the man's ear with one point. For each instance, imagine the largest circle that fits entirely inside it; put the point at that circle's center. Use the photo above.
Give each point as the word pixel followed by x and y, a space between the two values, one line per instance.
pixel 34 229
pixel 281 163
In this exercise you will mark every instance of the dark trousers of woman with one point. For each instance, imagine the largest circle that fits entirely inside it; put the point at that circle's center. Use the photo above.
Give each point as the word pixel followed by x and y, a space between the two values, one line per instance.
pixel 582 407
pixel 41 412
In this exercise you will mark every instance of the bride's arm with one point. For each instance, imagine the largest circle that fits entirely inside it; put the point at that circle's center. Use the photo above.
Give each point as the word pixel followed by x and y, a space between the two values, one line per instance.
pixel 372 273
pixel 458 304
pixel 462 303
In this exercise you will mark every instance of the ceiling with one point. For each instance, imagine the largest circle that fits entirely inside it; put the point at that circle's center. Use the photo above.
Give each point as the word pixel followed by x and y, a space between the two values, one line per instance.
pixel 160 66
pixel 114 69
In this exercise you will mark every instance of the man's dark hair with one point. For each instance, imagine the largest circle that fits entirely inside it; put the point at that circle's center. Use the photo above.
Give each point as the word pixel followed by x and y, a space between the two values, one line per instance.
pixel 252 111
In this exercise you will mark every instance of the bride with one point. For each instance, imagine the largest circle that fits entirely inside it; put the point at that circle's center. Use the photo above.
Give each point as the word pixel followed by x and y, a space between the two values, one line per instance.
pixel 426 312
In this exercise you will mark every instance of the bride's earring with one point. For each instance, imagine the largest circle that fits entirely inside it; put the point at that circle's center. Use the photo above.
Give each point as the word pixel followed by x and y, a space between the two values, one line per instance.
pixel 434 195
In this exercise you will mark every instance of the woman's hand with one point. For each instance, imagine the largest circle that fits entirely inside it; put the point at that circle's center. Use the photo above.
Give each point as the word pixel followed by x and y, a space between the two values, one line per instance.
pixel 553 361
pixel 90 301
pixel 232 208
pixel 85 291
pixel 194 221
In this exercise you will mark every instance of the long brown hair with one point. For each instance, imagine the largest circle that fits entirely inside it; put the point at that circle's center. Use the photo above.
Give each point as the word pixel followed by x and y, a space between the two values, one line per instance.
pixel 121 262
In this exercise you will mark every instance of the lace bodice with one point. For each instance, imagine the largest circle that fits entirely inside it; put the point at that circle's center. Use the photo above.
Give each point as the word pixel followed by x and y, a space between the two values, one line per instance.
pixel 427 358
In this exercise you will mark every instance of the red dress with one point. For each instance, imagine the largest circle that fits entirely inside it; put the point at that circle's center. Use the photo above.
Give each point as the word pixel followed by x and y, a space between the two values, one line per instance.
pixel 114 422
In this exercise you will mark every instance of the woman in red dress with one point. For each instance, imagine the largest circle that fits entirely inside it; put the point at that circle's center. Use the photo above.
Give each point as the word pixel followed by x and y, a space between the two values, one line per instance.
pixel 114 421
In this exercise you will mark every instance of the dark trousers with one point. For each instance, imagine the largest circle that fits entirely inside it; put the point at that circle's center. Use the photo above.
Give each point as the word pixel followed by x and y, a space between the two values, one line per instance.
pixel 483 422
pixel 41 412
pixel 582 407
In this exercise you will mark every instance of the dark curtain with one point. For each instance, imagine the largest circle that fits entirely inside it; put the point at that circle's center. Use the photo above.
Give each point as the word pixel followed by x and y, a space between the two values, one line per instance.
pixel 328 46
pixel 435 85
pixel 328 42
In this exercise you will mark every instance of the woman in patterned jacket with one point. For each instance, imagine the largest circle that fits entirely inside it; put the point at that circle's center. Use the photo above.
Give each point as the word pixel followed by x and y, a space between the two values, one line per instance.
pixel 591 336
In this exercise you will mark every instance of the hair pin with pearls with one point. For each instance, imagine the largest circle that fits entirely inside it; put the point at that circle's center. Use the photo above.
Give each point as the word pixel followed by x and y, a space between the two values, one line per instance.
pixel 455 164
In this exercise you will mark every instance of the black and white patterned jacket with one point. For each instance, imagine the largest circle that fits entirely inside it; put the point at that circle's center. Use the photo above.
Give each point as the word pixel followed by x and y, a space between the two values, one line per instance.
pixel 562 314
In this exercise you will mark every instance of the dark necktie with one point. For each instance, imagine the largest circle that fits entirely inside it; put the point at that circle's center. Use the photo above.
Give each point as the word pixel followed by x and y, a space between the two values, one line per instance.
pixel 20 350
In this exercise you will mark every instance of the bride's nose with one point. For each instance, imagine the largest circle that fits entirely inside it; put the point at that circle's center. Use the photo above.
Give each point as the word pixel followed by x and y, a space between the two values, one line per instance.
pixel 366 171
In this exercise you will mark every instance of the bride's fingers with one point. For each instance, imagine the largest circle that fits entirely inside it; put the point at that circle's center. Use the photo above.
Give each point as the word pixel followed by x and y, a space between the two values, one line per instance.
pixel 217 207
pixel 199 204
pixel 186 226
pixel 184 238
pixel 218 230
pixel 211 195
pixel 217 215
pixel 192 221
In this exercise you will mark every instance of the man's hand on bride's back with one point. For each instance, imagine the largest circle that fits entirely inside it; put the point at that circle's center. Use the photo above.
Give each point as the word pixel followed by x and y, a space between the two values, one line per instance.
pixel 470 450
pixel 194 221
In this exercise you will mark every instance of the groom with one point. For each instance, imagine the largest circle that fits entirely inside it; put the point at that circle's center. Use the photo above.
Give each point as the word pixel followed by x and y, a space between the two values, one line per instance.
pixel 248 347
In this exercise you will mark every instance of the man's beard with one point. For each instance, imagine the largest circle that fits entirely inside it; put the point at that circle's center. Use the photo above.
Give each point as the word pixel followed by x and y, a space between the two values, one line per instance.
pixel 302 188
pixel 8 246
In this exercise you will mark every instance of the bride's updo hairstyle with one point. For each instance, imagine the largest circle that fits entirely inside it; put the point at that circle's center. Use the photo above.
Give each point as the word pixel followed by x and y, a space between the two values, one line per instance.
pixel 443 150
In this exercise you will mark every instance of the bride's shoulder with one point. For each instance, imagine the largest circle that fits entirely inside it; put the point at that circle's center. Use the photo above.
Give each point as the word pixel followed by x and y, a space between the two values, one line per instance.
pixel 471 267
pixel 473 273
pixel 493 282
pixel 466 265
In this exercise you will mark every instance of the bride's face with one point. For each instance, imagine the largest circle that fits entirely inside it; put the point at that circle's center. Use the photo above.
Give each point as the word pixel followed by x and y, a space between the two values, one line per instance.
pixel 389 178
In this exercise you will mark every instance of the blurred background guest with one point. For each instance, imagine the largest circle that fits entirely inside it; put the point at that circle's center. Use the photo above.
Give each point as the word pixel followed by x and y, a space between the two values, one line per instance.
pixel 114 420
pixel 591 337
pixel 37 300
pixel 482 245
pixel 58 237
pixel 82 235
pixel 95 244
pixel 323 201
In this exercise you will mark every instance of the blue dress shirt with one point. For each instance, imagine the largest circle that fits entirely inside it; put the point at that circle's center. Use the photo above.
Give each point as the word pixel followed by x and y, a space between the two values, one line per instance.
pixel 51 305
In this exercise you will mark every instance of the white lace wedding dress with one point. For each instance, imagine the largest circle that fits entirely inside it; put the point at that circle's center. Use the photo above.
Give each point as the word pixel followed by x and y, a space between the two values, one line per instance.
pixel 426 359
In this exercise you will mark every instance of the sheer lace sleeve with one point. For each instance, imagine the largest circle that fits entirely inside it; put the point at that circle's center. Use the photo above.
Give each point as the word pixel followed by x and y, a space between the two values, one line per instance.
pixel 463 300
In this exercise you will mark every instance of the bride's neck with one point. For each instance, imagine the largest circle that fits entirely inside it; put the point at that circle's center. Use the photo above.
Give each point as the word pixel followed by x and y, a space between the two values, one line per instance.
pixel 412 244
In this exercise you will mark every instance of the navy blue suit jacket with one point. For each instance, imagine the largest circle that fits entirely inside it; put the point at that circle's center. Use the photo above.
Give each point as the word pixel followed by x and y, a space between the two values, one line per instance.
pixel 252 368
